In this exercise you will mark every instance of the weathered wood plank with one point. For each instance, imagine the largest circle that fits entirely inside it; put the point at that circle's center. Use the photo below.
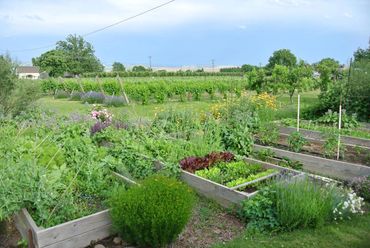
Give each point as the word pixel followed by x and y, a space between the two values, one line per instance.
pixel 220 193
pixel 123 178
pixel 328 167
pixel 83 239
pixel 67 230
pixel 255 181
pixel 24 223
pixel 318 136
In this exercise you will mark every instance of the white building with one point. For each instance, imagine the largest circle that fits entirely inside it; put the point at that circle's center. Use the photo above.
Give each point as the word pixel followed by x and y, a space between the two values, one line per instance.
pixel 28 72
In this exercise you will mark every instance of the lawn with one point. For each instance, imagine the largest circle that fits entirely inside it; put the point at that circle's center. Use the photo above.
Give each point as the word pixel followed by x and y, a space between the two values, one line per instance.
pixel 138 111
pixel 132 111
pixel 354 234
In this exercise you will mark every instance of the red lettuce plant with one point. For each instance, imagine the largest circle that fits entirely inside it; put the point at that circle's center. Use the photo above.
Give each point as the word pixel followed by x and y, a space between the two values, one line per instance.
pixel 192 164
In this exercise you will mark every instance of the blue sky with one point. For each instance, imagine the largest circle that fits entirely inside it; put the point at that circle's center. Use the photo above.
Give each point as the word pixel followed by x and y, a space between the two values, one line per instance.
pixel 190 32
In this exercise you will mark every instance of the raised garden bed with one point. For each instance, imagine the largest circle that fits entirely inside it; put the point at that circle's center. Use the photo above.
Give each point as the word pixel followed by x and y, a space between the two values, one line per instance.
pixel 227 195
pixel 319 136
pixel 355 150
pixel 322 166
pixel 76 233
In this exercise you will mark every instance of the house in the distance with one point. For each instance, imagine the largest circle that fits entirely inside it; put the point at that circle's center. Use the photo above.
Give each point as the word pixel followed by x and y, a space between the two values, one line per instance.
pixel 28 72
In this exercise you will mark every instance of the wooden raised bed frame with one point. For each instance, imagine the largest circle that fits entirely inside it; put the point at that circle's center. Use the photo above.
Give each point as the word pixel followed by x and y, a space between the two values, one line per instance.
pixel 322 166
pixel 225 196
pixel 76 233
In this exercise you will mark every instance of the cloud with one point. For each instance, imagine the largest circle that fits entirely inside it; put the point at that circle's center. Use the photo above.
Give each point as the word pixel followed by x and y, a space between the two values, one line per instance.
pixel 61 17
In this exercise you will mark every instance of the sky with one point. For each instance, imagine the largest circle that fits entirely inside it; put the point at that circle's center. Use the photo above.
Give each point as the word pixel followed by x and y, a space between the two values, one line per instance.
pixel 189 32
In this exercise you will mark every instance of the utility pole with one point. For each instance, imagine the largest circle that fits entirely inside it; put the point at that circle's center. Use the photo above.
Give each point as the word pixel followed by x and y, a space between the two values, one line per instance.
pixel 150 62
pixel 213 65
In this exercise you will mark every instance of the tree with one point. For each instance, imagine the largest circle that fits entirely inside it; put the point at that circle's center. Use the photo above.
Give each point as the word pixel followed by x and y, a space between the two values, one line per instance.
pixel 299 78
pixel 257 79
pixel 282 57
pixel 118 67
pixel 54 62
pixel 247 68
pixel 139 68
pixel 7 78
pixel 79 55
pixel 329 71
pixel 361 54
pixel 279 76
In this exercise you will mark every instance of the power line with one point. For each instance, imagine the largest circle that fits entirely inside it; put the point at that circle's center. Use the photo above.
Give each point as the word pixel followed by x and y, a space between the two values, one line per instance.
pixel 97 30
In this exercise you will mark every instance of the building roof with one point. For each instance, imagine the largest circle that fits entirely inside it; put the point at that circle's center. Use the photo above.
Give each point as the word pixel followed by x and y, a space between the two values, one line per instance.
pixel 28 69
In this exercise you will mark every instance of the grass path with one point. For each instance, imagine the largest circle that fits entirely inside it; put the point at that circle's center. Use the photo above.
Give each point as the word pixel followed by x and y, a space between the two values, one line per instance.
pixel 348 234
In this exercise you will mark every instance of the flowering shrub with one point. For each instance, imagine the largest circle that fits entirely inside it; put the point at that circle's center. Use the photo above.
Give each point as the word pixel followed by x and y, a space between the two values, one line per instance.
pixel 93 97
pixel 263 100
pixel 349 205
pixel 101 114
pixel 115 101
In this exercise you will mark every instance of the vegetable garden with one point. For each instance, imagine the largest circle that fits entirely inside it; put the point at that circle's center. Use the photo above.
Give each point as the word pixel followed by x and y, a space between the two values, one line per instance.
pixel 75 170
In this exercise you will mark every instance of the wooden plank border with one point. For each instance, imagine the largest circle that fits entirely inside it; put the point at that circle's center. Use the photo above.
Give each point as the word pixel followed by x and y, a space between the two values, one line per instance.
pixel 318 136
pixel 322 166
pixel 76 233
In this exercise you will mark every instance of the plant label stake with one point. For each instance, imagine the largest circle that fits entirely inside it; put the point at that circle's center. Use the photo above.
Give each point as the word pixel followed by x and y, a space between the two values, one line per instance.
pixel 299 105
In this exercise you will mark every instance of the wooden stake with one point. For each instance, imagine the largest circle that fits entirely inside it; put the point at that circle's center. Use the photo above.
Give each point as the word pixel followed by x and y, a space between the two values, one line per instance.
pixel 298 109
pixel 122 89
pixel 339 127
pixel 79 82
pixel 100 86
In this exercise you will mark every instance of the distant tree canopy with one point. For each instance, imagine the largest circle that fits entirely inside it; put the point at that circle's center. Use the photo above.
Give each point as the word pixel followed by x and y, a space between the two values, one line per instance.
pixel 282 57
pixel 139 68
pixel 118 67
pixel 74 55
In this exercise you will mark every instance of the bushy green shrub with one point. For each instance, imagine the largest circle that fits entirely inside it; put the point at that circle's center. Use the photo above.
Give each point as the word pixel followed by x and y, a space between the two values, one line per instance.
pixel 152 214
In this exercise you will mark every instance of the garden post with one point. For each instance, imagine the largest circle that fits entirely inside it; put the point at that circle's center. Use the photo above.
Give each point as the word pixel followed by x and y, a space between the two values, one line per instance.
pixel 298 109
pixel 339 127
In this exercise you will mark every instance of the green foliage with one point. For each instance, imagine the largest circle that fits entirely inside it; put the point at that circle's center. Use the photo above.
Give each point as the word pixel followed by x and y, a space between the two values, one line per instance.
pixel 331 144
pixel 250 178
pixel 282 57
pixel 79 55
pixel 118 67
pixel 139 68
pixel 238 122
pixel 296 141
pixel 260 212
pixel 331 118
pixel 55 62
pixel 7 79
pixel 268 133
pixel 154 213
pixel 329 70
pixel 303 204
pixel 294 164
